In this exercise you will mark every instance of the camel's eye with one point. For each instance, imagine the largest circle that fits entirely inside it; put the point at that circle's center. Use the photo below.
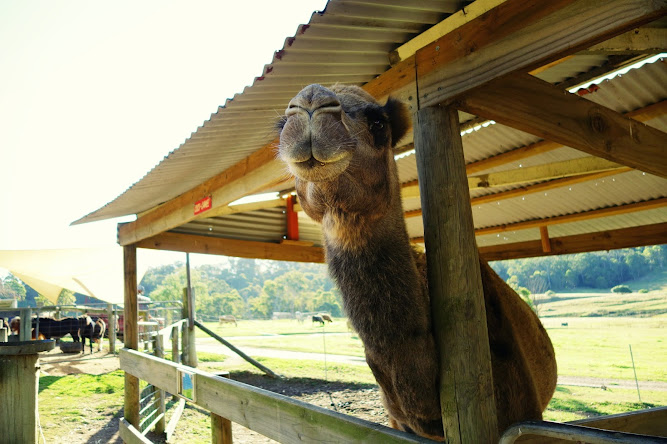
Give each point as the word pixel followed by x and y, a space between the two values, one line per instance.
pixel 377 125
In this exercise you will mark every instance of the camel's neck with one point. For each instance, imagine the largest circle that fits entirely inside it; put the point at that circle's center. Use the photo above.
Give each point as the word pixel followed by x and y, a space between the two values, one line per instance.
pixel 373 263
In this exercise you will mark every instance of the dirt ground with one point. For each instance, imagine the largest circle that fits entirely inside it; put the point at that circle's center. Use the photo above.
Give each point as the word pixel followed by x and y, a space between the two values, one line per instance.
pixel 362 401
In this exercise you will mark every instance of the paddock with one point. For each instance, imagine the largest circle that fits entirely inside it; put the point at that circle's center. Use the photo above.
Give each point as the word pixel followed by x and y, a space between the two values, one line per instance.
pixel 519 147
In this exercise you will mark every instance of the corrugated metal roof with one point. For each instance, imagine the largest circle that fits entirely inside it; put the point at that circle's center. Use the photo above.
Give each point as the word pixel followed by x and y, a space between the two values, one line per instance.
pixel 349 43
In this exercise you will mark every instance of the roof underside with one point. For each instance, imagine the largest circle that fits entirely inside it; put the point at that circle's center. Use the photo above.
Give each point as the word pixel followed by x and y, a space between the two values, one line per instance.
pixel 350 42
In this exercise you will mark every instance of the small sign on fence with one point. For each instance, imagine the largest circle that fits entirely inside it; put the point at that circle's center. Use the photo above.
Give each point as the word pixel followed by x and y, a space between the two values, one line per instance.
pixel 186 384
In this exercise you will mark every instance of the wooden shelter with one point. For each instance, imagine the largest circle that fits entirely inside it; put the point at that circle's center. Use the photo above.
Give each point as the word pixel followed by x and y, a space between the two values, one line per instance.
pixel 502 103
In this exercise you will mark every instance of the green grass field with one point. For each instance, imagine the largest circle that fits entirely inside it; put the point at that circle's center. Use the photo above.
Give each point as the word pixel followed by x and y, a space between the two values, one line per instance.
pixel 593 346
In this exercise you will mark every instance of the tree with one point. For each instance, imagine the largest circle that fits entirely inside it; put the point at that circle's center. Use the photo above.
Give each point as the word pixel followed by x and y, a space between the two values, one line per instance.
pixel 66 297
pixel 13 288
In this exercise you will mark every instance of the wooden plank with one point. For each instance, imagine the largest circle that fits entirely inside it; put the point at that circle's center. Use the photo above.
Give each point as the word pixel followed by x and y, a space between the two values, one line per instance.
pixel 648 422
pixel 561 173
pixel 642 115
pixel 275 416
pixel 221 428
pixel 529 104
pixel 19 383
pixel 637 41
pixel 232 247
pixel 548 171
pixel 569 29
pixel 227 344
pixel 576 217
pixel 654 234
pixel 242 179
pixel 544 237
pixel 131 331
pixel 542 187
pixel 129 434
pixel 455 285
pixel 175 417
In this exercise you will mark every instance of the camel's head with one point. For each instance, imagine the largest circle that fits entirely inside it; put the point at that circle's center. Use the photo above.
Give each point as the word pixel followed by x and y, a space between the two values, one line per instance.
pixel 325 131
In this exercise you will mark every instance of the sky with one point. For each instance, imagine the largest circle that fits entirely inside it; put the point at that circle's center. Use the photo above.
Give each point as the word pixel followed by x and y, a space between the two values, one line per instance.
pixel 94 94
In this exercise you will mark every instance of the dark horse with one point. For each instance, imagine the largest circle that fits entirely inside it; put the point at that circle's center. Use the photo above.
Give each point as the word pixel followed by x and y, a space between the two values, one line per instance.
pixel 51 328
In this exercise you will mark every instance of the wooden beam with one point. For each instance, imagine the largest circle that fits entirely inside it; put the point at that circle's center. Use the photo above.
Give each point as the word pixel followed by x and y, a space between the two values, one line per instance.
pixel 457 298
pixel 582 243
pixel 549 171
pixel 537 107
pixel 641 115
pixel 554 33
pixel 275 416
pixel 649 422
pixel 582 167
pixel 577 217
pixel 131 331
pixel 190 243
pixel 544 237
pixel 242 179
pixel 545 186
pixel 637 41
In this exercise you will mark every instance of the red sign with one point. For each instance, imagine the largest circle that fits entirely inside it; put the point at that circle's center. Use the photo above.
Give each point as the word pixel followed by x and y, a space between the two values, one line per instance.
pixel 204 204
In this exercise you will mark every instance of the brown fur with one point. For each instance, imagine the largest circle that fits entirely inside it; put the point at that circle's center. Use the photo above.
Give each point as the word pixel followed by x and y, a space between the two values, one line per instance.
pixel 337 142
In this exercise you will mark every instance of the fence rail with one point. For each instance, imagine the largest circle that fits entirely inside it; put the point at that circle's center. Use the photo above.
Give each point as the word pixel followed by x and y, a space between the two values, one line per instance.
pixel 275 416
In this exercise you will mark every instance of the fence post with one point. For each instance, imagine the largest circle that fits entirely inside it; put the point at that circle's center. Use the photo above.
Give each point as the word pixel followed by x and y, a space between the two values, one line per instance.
pixel 221 428
pixel 175 352
pixel 457 297
pixel 131 332
pixel 111 316
pixel 160 394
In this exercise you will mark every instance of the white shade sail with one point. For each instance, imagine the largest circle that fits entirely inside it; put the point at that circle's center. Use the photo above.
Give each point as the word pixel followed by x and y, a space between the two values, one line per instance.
pixel 96 272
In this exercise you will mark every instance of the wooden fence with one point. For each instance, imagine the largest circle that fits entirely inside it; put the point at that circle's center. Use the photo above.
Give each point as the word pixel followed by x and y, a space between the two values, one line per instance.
pixel 275 416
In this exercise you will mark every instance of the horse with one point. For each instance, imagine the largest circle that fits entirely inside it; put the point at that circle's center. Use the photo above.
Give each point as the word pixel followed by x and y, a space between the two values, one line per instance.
pixel 50 328
pixel 92 328
pixel 227 319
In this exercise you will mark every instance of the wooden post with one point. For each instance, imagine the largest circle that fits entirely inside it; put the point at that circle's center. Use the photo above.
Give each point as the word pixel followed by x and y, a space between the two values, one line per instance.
pixel 192 349
pixel 455 286
pixel 19 384
pixel 184 330
pixel 111 317
pixel 25 332
pixel 544 236
pixel 221 428
pixel 175 353
pixel 161 425
pixel 131 332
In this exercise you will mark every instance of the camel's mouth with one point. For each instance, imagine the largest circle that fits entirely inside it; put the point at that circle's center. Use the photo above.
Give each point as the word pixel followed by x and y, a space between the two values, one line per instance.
pixel 314 170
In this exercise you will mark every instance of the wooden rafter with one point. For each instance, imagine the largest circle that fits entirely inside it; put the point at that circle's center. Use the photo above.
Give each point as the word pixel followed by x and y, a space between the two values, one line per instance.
pixel 486 51
pixel 637 41
pixel 190 243
pixel 570 168
pixel 237 181
pixel 544 186
pixel 577 217
pixel 568 218
pixel 538 107
pixel 641 115
pixel 581 243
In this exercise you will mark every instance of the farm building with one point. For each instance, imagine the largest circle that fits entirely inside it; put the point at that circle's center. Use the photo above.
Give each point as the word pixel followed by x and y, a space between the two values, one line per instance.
pixel 563 151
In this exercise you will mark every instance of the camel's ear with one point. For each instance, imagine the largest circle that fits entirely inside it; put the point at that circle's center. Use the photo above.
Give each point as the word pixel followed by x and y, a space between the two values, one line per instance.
pixel 399 119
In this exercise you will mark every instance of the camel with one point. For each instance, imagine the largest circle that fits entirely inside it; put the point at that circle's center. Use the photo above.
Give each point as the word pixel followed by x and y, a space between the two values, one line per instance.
pixel 337 142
